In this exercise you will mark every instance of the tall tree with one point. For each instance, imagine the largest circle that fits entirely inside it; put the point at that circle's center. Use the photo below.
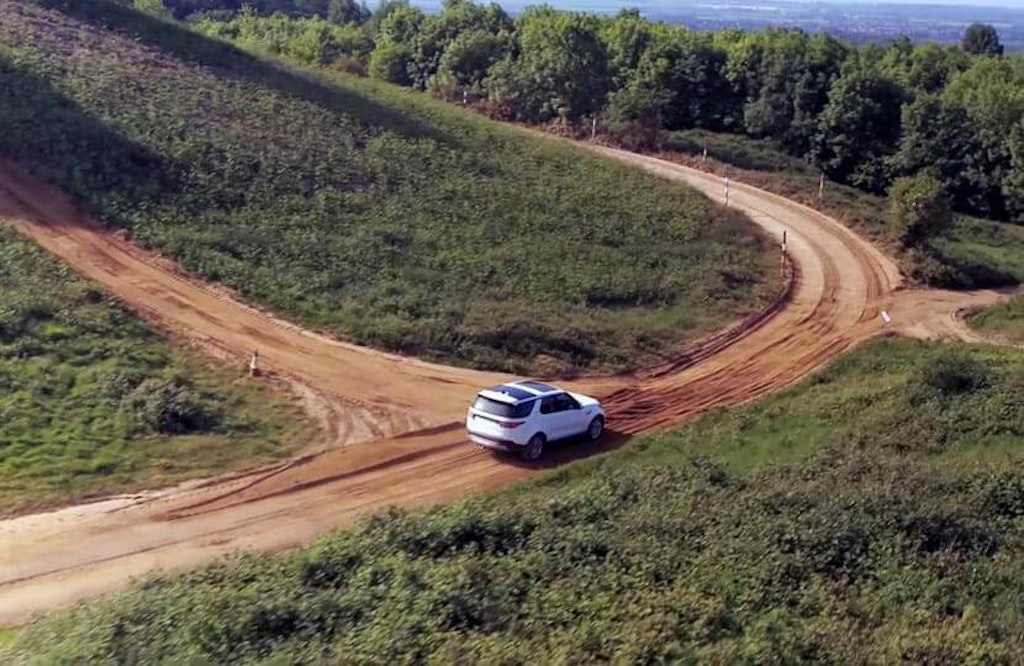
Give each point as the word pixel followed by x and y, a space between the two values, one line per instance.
pixel 992 93
pixel 626 37
pixel 1013 184
pixel 561 70
pixel 470 56
pixel 932 66
pixel 636 115
pixel 983 40
pixel 393 58
pixel 683 70
pixel 343 12
pixel 860 128
pixel 939 138
pixel 784 77
pixel 436 32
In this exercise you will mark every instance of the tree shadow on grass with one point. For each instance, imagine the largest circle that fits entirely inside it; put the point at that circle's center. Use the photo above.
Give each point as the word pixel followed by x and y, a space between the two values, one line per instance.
pixel 971 273
pixel 53 138
pixel 198 49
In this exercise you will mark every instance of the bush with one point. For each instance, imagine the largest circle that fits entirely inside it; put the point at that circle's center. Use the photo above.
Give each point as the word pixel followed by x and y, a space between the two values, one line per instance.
pixel 953 374
pixel 920 210
pixel 170 407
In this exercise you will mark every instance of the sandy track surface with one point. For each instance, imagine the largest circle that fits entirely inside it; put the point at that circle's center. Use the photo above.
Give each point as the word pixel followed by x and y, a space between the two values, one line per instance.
pixel 50 560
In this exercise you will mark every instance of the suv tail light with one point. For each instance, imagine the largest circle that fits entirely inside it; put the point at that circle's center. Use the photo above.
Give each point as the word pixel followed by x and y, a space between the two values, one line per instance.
pixel 512 424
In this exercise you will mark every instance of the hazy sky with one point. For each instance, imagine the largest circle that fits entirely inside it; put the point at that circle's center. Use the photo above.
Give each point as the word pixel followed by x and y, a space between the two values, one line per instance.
pixel 1013 4
pixel 605 5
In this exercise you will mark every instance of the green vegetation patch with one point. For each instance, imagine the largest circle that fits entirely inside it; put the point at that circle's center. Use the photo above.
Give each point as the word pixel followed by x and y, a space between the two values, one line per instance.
pixel 391 219
pixel 93 401
pixel 873 513
pixel 1006 319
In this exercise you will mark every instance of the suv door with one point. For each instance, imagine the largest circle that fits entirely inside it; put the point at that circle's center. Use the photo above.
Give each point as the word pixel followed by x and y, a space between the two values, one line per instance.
pixel 551 417
pixel 572 415
pixel 559 413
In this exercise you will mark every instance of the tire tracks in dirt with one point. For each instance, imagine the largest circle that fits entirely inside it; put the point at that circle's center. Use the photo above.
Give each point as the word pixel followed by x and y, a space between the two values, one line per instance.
pixel 840 284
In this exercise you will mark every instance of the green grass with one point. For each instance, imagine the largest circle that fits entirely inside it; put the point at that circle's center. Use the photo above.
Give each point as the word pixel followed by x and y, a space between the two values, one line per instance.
pixel 873 513
pixel 976 253
pixel 985 243
pixel 378 214
pixel 93 401
pixel 8 635
pixel 1006 320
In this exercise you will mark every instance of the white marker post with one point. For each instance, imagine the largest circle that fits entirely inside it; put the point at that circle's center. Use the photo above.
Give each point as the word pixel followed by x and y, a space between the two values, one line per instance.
pixel 885 317
pixel 821 185
pixel 254 369
pixel 593 128
pixel 727 190
pixel 783 261
pixel 704 157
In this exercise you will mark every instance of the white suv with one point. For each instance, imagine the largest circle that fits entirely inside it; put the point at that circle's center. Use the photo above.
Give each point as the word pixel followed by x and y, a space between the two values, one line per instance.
pixel 523 416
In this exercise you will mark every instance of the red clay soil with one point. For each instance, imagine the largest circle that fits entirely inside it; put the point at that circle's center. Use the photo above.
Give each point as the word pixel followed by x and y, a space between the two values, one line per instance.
pixel 410 408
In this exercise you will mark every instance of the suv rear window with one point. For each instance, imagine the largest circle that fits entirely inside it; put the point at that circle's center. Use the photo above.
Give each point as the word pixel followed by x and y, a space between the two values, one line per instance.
pixel 503 409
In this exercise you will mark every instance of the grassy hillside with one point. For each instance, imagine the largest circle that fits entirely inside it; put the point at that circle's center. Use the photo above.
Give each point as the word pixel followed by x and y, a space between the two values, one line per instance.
pixel 874 513
pixel 975 253
pixel 1006 320
pixel 92 400
pixel 389 218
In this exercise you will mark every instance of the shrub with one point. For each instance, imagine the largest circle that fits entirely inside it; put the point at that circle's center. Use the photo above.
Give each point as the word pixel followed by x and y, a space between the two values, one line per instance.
pixel 170 406
pixel 953 373
pixel 920 210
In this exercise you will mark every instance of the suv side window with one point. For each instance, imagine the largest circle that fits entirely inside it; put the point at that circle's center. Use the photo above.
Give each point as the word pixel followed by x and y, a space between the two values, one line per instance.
pixel 568 403
pixel 549 405
pixel 560 402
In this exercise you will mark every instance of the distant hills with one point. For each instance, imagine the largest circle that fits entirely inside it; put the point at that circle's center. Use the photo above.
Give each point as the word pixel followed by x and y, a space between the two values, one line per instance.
pixel 859 21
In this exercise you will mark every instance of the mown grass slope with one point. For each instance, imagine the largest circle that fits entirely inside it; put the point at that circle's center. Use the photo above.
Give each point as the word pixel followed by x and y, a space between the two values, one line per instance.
pixel 92 400
pixel 974 253
pixel 391 219
pixel 874 513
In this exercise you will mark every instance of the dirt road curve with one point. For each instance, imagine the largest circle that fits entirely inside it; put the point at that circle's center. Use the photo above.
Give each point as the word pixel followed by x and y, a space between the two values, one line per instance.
pixel 49 560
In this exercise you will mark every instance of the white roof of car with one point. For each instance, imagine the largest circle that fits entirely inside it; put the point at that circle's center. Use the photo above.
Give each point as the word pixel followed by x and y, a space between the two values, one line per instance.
pixel 519 391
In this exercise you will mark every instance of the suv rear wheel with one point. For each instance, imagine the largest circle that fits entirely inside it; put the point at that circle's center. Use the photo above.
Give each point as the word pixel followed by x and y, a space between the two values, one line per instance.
pixel 595 429
pixel 534 447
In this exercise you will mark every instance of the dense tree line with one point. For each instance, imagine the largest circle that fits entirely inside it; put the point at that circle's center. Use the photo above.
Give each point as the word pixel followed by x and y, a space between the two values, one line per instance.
pixel 339 11
pixel 866 116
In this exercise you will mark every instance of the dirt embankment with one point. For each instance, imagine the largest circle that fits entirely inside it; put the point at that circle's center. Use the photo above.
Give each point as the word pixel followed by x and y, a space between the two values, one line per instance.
pixel 49 560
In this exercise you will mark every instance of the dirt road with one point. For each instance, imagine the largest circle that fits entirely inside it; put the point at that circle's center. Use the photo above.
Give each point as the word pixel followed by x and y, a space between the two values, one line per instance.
pixel 53 559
